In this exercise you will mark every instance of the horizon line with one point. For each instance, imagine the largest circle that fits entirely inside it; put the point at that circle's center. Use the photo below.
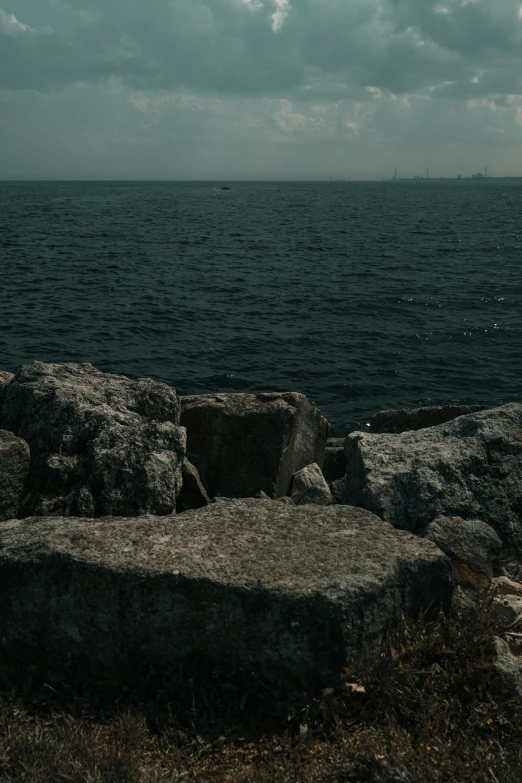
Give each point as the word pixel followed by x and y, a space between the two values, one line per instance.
pixel 414 178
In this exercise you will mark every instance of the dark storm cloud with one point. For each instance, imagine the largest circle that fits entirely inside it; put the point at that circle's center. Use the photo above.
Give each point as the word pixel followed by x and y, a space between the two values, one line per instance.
pixel 262 47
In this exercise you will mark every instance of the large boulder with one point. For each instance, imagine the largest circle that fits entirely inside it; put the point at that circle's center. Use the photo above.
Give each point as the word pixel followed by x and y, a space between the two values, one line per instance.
pixel 14 469
pixel 100 443
pixel 244 583
pixel 470 467
pixel 406 419
pixel 241 443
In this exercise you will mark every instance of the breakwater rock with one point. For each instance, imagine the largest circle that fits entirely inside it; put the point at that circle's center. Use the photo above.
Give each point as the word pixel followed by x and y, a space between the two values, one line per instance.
pixel 100 443
pixel 14 470
pixel 244 584
pixel 470 467
pixel 136 525
pixel 244 443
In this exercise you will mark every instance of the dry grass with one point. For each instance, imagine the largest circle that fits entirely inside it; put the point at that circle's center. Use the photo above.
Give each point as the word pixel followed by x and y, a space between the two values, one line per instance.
pixel 430 710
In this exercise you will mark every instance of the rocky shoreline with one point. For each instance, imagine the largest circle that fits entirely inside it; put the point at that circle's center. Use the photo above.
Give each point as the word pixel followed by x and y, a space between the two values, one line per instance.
pixel 138 527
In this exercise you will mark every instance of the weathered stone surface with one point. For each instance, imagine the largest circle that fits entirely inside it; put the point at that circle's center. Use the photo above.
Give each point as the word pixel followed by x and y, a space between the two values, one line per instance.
pixel 473 547
pixel 334 463
pixel 241 583
pixel 14 469
pixel 507 609
pixel 470 467
pixel 335 443
pixel 100 443
pixel 241 443
pixel 502 585
pixel 507 667
pixel 338 489
pixel 397 421
pixel 513 568
pixel 192 494
pixel 285 499
pixel 309 487
pixel 5 376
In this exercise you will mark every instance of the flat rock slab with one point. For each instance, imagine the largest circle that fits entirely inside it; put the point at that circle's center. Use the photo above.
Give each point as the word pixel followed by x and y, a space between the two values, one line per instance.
pixel 470 467
pixel 243 443
pixel 243 583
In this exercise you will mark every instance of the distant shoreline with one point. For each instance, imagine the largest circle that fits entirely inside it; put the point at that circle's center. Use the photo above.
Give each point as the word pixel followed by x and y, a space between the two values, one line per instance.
pixel 480 180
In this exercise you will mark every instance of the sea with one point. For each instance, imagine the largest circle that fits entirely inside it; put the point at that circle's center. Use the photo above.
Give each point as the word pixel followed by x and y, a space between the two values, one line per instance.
pixel 362 296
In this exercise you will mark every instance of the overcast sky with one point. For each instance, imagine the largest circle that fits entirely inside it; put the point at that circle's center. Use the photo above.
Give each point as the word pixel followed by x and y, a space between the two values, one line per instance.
pixel 259 89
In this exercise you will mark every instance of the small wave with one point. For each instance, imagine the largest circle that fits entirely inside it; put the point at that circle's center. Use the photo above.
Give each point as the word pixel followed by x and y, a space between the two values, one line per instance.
pixel 335 292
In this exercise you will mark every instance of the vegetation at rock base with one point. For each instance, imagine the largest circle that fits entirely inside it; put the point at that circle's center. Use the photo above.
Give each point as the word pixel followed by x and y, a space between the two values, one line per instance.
pixel 431 709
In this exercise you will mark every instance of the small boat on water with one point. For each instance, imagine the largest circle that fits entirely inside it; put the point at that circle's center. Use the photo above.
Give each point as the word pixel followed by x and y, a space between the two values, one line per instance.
pixel 225 187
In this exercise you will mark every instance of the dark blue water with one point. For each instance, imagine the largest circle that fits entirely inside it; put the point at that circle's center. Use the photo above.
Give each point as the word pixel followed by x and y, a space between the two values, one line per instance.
pixel 362 296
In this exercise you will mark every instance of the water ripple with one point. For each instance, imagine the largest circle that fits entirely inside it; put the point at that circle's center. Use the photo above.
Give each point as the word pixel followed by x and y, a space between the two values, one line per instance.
pixel 362 296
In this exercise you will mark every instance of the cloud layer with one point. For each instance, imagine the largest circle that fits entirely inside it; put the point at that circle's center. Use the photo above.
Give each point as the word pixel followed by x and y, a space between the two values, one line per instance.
pixel 248 47
pixel 324 75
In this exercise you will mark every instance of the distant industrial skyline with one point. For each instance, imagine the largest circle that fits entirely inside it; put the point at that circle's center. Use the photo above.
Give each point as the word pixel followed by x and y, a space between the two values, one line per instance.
pixel 477 176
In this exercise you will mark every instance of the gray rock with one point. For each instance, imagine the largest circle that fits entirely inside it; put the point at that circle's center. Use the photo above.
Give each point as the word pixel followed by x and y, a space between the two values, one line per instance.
pixel 192 493
pixel 14 469
pixel 338 489
pixel 335 443
pixel 396 421
pixel 309 487
pixel 507 668
pixel 284 499
pixel 241 443
pixel 507 609
pixel 100 443
pixel 513 568
pixel 5 377
pixel 466 600
pixel 242 583
pixel 334 464
pixel 473 547
pixel 470 467
pixel 502 585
